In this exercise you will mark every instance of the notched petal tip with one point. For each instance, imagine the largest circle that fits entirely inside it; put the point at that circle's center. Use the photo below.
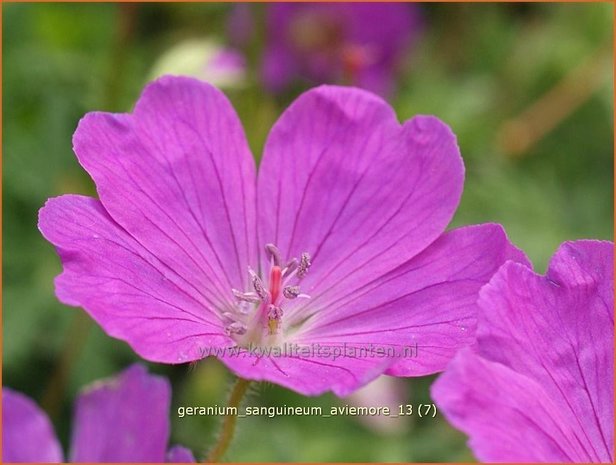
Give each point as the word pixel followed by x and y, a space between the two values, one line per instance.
pixel 172 80
pixel 429 129
pixel 582 263
pixel 328 90
pixel 496 232
pixel 44 214
pixel 178 86
pixel 334 101
pixel 432 144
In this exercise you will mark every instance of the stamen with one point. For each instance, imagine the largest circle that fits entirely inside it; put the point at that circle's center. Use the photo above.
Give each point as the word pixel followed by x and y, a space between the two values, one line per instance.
pixel 259 309
pixel 304 265
pixel 244 307
pixel 289 268
pixel 258 285
pixel 291 292
pixel 246 296
pixel 273 254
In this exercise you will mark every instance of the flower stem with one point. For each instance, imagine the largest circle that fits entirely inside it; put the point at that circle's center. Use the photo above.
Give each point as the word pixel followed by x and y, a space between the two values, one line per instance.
pixel 228 426
pixel 518 135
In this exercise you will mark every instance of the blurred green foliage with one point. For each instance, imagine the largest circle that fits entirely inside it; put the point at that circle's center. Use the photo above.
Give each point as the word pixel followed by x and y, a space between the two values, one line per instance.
pixel 478 66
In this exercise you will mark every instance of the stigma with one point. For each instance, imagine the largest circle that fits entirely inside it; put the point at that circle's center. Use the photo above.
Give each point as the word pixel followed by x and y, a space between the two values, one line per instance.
pixel 258 313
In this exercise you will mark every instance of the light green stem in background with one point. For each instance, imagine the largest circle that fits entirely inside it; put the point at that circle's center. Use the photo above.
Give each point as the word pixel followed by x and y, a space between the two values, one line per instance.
pixel 228 426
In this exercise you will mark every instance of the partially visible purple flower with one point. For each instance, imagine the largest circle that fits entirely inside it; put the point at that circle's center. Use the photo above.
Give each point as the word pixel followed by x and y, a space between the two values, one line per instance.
pixel 203 59
pixel 540 385
pixel 224 66
pixel 123 419
pixel 335 248
pixel 361 44
pixel 27 433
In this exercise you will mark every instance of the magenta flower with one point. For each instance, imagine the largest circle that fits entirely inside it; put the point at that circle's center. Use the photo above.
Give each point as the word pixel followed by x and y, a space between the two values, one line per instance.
pixel 540 386
pixel 123 419
pixel 362 44
pixel 332 262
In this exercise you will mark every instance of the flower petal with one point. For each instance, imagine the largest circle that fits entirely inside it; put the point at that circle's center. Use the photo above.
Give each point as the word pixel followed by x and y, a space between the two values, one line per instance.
pixel 180 454
pixel 409 323
pixel 509 416
pixel 178 176
pixel 326 368
pixel 27 433
pixel 343 180
pixel 428 303
pixel 124 287
pixel 123 419
pixel 557 331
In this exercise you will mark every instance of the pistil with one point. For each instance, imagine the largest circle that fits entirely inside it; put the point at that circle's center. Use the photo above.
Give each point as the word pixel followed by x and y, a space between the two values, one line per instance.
pixel 275 283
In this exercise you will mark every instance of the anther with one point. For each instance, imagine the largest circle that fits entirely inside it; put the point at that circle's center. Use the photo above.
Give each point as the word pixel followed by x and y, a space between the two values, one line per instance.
pixel 304 265
pixel 273 254
pixel 274 314
pixel 291 292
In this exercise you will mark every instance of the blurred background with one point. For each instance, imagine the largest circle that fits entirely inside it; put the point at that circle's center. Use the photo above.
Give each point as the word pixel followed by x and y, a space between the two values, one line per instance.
pixel 527 88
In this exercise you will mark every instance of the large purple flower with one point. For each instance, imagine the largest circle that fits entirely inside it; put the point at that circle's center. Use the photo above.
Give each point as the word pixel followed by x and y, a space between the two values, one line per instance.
pixel 337 248
pixel 358 43
pixel 124 419
pixel 540 386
